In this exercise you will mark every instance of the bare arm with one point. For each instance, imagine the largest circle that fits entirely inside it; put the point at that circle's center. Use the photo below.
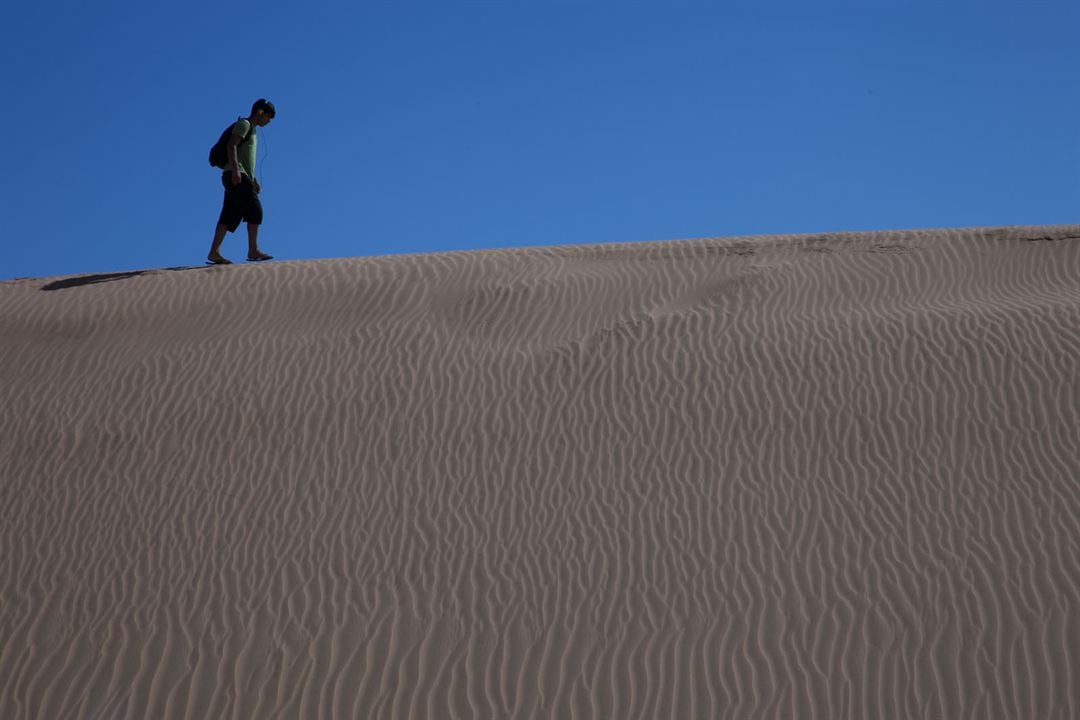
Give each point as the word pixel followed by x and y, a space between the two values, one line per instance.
pixel 234 162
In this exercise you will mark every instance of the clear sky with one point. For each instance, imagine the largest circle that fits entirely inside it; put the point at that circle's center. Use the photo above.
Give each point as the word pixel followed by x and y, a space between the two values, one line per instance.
pixel 417 127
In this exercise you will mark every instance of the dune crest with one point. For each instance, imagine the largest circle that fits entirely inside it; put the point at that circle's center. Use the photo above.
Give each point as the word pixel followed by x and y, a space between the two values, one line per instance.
pixel 828 476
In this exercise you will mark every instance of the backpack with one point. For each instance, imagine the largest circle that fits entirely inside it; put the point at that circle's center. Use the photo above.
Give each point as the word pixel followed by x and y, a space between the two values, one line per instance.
pixel 219 154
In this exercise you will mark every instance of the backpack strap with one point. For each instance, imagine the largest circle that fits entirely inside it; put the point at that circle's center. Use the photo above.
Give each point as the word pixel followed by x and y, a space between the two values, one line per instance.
pixel 251 128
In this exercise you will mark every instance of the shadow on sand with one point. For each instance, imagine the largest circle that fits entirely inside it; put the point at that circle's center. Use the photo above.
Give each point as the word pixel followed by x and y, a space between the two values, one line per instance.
pixel 83 280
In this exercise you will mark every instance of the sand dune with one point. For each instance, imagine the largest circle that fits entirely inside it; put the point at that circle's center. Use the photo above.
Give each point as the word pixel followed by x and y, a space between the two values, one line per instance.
pixel 832 476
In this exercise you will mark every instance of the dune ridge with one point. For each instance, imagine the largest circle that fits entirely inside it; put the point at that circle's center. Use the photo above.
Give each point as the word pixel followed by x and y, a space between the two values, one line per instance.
pixel 813 476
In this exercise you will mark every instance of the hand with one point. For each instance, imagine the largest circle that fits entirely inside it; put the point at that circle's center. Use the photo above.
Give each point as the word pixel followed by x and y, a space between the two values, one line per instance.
pixel 258 187
pixel 236 177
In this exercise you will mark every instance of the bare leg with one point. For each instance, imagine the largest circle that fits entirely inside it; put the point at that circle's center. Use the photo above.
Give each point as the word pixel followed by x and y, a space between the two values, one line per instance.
pixel 215 255
pixel 254 253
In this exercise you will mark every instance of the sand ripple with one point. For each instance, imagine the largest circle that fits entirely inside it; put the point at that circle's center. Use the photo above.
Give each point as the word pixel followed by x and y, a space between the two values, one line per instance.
pixel 788 476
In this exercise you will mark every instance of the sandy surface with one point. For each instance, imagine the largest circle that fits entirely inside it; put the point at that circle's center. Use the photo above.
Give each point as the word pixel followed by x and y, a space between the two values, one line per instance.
pixel 832 476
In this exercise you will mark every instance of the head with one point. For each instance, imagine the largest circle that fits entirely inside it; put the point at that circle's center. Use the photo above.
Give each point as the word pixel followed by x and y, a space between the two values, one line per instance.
pixel 262 112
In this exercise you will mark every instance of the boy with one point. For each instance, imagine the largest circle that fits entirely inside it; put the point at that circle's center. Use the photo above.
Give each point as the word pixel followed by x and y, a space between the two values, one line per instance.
pixel 241 188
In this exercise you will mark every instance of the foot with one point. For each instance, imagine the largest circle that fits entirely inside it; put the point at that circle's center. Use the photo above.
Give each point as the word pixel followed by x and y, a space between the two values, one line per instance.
pixel 259 256
pixel 218 259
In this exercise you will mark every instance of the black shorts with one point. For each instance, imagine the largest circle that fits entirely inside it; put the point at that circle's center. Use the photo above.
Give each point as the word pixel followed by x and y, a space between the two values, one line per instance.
pixel 241 203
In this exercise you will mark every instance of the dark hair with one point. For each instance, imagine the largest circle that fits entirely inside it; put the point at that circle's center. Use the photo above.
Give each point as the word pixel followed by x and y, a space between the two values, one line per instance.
pixel 265 105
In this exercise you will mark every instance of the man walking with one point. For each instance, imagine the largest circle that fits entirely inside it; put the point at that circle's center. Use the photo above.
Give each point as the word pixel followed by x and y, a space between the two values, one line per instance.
pixel 242 190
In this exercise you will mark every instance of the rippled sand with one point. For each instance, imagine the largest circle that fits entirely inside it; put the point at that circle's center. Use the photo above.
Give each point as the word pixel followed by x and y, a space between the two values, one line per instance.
pixel 832 476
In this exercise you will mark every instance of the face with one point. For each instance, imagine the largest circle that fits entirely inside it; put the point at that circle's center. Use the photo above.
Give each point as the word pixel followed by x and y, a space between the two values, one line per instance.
pixel 262 119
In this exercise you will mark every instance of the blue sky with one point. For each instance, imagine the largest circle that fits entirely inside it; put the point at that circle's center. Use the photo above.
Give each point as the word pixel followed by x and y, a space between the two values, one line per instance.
pixel 411 127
